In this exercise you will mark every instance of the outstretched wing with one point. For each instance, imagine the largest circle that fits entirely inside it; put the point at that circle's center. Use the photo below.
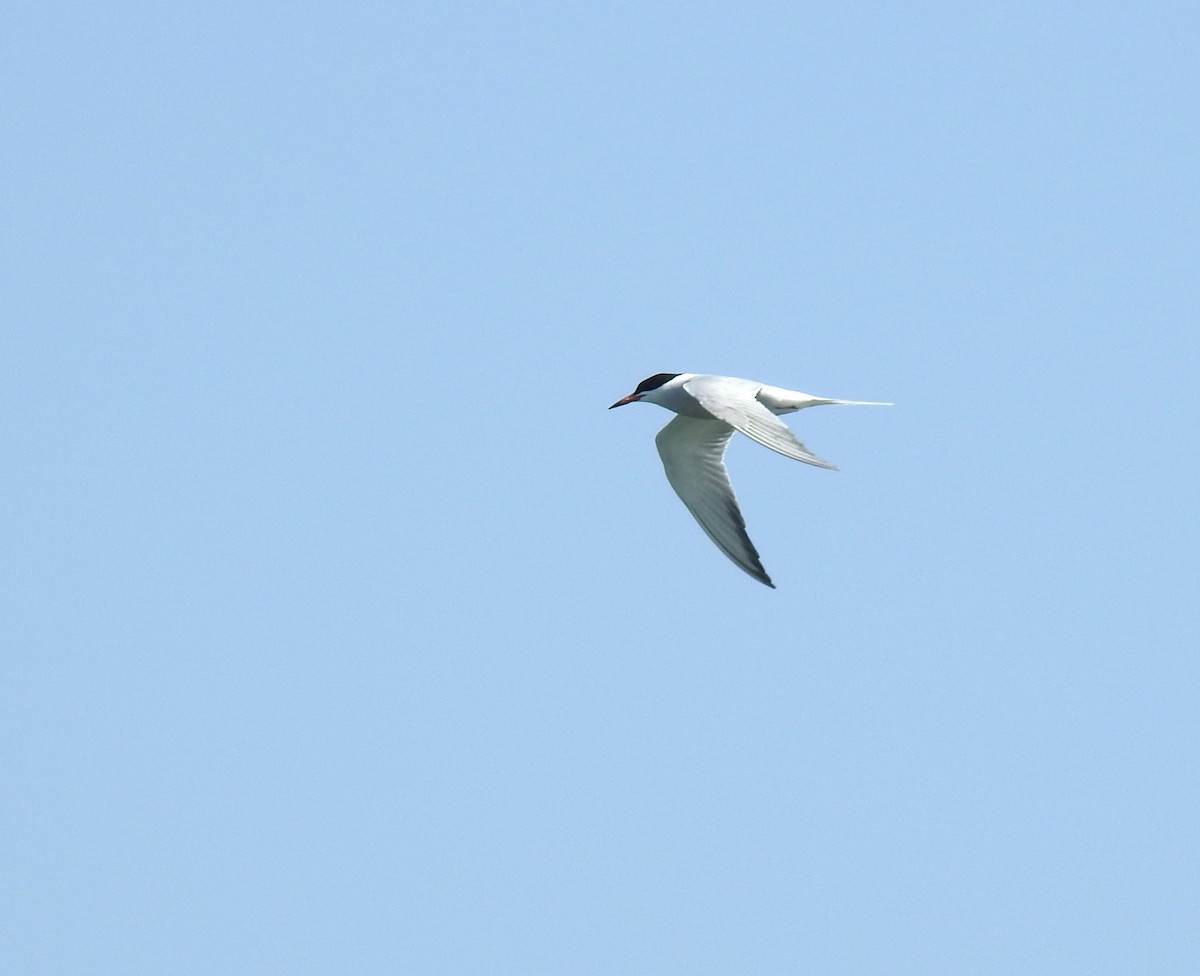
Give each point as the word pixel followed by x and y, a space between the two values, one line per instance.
pixel 692 453
pixel 733 401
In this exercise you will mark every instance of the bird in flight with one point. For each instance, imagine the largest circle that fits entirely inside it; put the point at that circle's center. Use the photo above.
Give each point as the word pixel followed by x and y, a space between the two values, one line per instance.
pixel 692 446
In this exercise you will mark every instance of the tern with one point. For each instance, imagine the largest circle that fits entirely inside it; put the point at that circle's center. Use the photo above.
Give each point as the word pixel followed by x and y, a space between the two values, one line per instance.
pixel 692 446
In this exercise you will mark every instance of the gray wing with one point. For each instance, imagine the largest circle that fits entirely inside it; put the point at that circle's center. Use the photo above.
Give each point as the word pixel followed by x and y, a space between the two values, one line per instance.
pixel 733 401
pixel 692 453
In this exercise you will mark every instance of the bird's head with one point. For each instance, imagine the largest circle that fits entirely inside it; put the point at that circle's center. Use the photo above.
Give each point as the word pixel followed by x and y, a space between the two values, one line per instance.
pixel 648 385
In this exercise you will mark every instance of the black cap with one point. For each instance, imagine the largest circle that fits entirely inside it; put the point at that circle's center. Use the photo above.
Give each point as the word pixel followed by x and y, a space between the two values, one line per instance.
pixel 654 382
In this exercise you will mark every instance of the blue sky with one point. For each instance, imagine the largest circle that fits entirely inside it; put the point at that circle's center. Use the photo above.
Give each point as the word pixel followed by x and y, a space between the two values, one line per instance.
pixel 347 632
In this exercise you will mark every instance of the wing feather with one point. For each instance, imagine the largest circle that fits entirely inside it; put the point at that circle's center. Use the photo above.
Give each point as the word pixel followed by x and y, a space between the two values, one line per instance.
pixel 733 401
pixel 692 453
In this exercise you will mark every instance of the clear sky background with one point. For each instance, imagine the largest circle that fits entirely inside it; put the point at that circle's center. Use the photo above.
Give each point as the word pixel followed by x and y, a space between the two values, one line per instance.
pixel 345 631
